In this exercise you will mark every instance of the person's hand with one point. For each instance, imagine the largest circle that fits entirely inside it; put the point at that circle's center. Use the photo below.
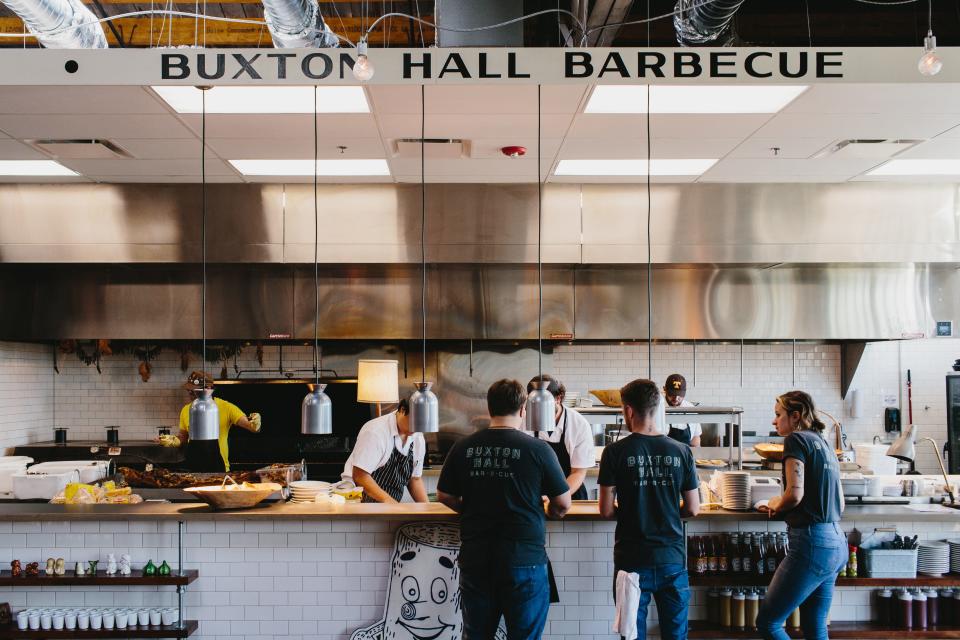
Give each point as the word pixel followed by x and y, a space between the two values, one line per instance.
pixel 255 420
pixel 772 506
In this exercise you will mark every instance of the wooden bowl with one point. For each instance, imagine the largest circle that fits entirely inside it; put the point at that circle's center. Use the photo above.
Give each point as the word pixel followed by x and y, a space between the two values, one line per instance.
pixel 609 397
pixel 769 451
pixel 222 496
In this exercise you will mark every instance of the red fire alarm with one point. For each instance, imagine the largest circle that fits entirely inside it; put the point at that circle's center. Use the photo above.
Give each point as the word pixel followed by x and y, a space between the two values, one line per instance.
pixel 514 151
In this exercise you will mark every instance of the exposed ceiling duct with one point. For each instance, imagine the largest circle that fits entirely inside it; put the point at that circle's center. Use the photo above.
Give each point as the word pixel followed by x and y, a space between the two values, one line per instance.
pixel 60 24
pixel 297 24
pixel 698 22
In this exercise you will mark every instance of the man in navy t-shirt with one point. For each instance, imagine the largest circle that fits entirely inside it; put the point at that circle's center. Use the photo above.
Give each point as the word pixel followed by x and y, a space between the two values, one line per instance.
pixel 648 473
pixel 496 479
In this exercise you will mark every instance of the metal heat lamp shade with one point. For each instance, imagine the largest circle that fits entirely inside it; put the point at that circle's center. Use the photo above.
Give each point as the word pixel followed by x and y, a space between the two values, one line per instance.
pixel 905 447
pixel 424 409
pixel 204 417
pixel 316 412
pixel 541 408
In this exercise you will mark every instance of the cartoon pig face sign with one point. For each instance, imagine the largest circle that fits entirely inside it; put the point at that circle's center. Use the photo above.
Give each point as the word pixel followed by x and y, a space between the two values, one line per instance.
pixel 423 595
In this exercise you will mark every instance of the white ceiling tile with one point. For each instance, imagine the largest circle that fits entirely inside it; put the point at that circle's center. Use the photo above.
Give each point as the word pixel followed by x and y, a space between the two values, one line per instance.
pixel 885 125
pixel 147 149
pixel 641 180
pixel 879 98
pixel 762 148
pixel 487 148
pixel 13 150
pixel 330 127
pixel 615 126
pixel 294 148
pixel 584 149
pixel 749 170
pixel 168 179
pixel 320 179
pixel 774 179
pixel 522 169
pixel 472 99
pixel 939 147
pixel 479 125
pixel 93 126
pixel 147 168
pixel 80 100
pixel 42 179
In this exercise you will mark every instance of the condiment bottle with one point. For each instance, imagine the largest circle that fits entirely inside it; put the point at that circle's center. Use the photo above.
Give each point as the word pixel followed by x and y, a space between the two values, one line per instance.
pixel 954 608
pixel 736 560
pixel 772 562
pixel 884 607
pixel 746 549
pixel 713 606
pixel 723 557
pixel 739 611
pixel 852 563
pixel 758 558
pixel 701 557
pixel 946 607
pixel 753 607
pixel 933 608
pixel 794 620
pixel 919 610
pixel 726 605
pixel 905 617
pixel 692 553
pixel 711 554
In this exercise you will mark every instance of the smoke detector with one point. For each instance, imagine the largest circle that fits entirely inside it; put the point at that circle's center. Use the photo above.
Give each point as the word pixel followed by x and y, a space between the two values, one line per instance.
pixel 514 151
pixel 80 149
pixel 866 148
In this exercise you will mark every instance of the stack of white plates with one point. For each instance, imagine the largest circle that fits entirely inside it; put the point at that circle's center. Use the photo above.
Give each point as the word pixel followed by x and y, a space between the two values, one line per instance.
pixel 736 490
pixel 307 490
pixel 570 399
pixel 933 558
pixel 954 555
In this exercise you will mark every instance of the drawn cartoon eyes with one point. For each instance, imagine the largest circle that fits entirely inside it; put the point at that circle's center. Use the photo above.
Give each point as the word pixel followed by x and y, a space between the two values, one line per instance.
pixel 410 589
pixel 438 590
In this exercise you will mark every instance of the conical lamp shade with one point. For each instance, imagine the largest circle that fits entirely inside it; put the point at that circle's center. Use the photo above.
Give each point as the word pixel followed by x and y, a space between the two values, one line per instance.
pixel 541 408
pixel 424 409
pixel 905 447
pixel 316 412
pixel 204 417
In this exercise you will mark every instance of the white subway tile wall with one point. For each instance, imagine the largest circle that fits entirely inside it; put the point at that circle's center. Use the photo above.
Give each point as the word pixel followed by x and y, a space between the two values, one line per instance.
pixel 322 579
pixel 26 386
pixel 87 401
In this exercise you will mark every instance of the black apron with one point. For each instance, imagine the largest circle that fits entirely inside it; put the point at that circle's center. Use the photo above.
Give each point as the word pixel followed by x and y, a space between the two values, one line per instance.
pixel 394 476
pixel 681 435
pixel 203 456
pixel 563 455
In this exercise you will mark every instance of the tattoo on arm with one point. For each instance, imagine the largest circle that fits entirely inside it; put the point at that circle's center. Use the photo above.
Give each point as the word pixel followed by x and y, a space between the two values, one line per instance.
pixel 797 473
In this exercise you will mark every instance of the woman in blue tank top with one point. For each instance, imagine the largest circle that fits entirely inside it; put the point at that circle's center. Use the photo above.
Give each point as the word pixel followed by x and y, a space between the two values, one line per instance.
pixel 811 505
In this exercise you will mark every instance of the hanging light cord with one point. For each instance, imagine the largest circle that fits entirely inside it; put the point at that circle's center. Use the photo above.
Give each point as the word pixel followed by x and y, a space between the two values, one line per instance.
pixel 203 230
pixel 649 251
pixel 317 364
pixel 423 228
pixel 539 248
pixel 930 16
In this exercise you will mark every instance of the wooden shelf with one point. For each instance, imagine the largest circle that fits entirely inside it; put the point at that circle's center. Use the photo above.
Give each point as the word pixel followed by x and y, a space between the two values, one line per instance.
pixel 11 632
pixel 735 580
pixel 101 579
pixel 702 629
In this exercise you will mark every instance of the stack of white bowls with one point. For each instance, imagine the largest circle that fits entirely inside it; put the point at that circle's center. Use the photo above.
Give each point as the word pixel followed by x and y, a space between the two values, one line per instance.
pixel 954 555
pixel 933 558
pixel 736 490
pixel 307 490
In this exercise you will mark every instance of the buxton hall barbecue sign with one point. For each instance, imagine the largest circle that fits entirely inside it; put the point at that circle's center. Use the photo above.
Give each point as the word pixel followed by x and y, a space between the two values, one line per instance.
pixel 463 66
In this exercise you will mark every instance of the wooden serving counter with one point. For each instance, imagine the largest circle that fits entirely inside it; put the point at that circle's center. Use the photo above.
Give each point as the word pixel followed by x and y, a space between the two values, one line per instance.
pixel 580 511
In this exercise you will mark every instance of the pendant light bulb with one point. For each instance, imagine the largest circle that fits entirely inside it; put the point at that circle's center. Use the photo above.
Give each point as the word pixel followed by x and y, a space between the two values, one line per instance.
pixel 204 416
pixel 424 409
pixel 316 412
pixel 541 408
pixel 363 68
pixel 930 63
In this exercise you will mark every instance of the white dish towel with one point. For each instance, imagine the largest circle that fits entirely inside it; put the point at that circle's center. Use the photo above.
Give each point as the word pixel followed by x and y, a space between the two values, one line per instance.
pixel 628 601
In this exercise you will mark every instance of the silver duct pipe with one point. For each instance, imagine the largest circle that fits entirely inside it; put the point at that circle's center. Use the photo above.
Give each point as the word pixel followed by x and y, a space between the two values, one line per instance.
pixel 297 24
pixel 699 22
pixel 60 24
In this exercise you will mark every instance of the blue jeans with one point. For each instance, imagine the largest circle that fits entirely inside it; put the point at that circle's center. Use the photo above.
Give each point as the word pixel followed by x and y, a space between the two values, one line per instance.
pixel 521 595
pixel 805 579
pixel 669 586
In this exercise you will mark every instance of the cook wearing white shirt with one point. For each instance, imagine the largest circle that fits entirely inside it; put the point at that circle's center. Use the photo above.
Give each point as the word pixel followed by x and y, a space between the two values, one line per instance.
pixel 675 390
pixel 388 458
pixel 571 440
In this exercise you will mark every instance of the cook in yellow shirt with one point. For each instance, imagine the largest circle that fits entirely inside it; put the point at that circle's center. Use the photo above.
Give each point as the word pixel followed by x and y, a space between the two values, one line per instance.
pixel 230 415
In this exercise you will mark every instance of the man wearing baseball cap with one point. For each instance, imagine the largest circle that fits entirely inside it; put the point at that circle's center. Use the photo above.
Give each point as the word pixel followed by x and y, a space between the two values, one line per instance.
pixel 675 391
pixel 202 455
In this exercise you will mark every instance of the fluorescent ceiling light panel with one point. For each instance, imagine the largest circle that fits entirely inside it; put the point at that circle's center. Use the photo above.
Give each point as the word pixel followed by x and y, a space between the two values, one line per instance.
pixel 34 168
pixel 692 99
pixel 345 167
pixel 665 167
pixel 349 99
pixel 932 167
